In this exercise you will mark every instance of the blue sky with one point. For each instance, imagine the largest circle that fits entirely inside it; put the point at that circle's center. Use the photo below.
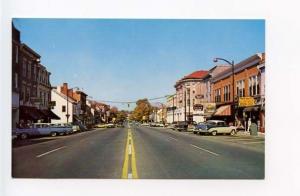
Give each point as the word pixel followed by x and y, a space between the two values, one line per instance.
pixel 125 60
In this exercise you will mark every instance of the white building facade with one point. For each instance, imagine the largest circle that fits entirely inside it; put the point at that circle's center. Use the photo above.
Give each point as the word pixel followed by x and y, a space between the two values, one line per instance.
pixel 63 106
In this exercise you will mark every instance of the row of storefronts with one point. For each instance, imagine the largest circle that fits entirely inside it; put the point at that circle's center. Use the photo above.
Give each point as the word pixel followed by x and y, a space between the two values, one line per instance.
pixel 233 93
pixel 35 100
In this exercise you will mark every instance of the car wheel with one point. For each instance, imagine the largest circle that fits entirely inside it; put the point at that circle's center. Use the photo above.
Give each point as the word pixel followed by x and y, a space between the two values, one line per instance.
pixel 53 134
pixel 214 133
pixel 195 132
pixel 232 132
pixel 24 136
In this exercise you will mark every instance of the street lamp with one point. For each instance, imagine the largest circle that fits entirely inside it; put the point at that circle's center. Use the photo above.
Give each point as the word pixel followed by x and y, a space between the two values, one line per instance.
pixel 232 68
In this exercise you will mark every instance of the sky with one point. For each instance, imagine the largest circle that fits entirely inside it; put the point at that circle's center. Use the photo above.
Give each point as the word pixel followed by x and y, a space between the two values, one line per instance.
pixel 129 59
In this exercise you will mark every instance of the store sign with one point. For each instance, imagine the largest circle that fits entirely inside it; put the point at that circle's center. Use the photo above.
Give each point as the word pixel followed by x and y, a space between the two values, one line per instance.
pixel 246 101
pixel 198 107
pixel 52 103
pixel 209 107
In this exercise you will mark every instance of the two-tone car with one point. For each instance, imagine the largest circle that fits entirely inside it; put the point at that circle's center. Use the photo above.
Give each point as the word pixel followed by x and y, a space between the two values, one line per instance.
pixel 214 127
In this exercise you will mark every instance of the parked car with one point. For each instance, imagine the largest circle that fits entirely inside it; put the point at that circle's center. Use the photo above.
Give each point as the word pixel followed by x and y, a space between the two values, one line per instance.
pixel 75 128
pixel 171 126
pixel 25 133
pixel 100 126
pixel 121 125
pixel 160 125
pixel 82 127
pixel 55 129
pixel 214 127
pixel 181 126
pixel 110 125
pixel 146 124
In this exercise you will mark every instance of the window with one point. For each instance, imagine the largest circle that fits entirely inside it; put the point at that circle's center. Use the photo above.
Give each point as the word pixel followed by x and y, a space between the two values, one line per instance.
pixel 253 84
pixel 24 68
pixel 29 70
pixel 34 72
pixel 240 88
pixel 227 93
pixel 218 95
pixel 16 80
pixel 63 108
pixel 17 54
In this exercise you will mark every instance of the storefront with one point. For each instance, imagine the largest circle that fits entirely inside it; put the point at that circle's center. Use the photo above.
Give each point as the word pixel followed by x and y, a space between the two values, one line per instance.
pixel 250 111
pixel 225 113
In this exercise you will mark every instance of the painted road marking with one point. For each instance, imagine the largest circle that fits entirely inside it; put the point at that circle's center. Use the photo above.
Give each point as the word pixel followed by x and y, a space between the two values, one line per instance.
pixel 129 170
pixel 204 150
pixel 38 156
pixel 257 142
pixel 129 149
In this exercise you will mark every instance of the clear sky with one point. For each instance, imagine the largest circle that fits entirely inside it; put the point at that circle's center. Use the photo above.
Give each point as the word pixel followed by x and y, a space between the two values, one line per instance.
pixel 125 60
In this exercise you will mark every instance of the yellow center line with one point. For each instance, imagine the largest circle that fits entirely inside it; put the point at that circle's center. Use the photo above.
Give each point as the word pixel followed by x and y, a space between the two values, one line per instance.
pixel 125 171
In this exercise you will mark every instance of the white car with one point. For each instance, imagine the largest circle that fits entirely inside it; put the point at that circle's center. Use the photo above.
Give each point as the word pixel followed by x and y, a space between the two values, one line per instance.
pixel 214 127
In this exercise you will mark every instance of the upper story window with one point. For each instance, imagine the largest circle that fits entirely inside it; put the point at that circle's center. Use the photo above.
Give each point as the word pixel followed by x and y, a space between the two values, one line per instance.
pixel 218 95
pixel 240 88
pixel 17 54
pixel 253 84
pixel 16 80
pixel 227 93
pixel 29 70
pixel 24 66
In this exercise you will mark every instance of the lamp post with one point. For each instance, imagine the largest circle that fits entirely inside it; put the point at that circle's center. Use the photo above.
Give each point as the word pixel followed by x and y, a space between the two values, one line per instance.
pixel 232 69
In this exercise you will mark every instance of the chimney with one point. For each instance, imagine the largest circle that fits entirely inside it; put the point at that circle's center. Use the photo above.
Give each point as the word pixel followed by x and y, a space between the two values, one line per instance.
pixel 64 88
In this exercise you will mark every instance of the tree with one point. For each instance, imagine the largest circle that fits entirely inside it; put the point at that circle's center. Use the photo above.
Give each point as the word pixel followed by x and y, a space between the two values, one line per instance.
pixel 121 116
pixel 142 110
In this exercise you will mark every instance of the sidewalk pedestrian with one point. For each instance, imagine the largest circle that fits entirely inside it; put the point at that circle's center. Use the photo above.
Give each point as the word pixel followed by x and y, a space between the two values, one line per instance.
pixel 249 124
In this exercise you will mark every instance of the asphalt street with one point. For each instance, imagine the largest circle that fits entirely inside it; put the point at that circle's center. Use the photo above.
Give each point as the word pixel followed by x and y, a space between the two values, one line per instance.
pixel 140 152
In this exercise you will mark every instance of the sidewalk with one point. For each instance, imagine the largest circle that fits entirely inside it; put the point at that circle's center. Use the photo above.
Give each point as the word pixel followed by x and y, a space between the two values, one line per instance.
pixel 246 133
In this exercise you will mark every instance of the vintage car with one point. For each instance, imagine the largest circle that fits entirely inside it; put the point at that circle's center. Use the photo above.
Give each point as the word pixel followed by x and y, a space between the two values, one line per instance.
pixel 214 127
pixel 181 126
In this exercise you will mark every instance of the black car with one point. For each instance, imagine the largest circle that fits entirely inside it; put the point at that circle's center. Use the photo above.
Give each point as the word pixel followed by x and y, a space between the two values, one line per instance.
pixel 181 126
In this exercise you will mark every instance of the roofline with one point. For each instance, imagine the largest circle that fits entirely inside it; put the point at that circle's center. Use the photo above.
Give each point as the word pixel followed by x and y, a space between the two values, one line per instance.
pixel 31 50
pixel 249 62
pixel 64 96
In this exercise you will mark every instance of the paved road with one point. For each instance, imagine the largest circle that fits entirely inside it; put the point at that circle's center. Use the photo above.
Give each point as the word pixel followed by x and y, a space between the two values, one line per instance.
pixel 140 152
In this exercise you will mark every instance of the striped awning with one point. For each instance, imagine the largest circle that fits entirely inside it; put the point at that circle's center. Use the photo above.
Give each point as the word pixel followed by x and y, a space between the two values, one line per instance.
pixel 224 110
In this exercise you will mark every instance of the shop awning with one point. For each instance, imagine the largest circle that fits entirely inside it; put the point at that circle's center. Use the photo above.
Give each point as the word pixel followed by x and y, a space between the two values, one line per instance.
pixel 224 110
pixel 252 108
pixel 30 113
pixel 49 114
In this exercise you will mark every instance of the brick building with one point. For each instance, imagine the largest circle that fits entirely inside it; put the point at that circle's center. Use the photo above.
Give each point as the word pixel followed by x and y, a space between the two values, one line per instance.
pixel 247 92
pixel 28 104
